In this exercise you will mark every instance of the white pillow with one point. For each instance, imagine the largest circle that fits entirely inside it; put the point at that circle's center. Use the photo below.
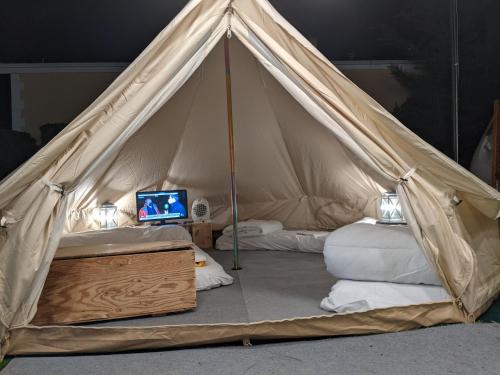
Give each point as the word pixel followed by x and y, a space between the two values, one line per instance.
pixel 349 296
pixel 212 275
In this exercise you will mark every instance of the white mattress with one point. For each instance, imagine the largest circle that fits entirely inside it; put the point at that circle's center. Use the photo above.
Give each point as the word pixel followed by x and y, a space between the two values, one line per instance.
pixel 377 252
pixel 131 234
pixel 286 240
pixel 212 275
pixel 349 296
pixel 251 228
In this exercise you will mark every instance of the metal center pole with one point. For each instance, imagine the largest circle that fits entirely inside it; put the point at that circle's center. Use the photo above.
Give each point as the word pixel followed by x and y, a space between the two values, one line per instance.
pixel 234 203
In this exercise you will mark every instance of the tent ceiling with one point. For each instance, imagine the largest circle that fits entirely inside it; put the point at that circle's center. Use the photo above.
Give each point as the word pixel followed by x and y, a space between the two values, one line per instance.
pixel 288 165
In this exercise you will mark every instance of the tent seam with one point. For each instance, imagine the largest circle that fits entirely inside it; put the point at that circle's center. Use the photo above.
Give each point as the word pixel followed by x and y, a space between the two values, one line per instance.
pixel 278 122
pixel 193 100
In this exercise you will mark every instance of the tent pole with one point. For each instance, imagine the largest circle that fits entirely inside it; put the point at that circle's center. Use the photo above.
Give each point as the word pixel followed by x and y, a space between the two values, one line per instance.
pixel 234 203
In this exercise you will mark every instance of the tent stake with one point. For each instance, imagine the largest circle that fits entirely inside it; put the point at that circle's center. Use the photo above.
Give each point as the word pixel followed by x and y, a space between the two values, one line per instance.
pixel 234 203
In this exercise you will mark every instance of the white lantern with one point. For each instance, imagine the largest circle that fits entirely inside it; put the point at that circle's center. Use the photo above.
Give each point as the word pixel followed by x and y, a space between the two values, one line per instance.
pixel 390 209
pixel 107 216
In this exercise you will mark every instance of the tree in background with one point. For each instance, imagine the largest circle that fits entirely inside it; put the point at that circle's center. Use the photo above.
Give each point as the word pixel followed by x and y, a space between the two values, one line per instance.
pixel 479 70
pixel 423 28
pixel 17 147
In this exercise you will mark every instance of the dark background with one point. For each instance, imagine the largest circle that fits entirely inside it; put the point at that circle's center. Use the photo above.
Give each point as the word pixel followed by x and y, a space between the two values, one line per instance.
pixel 117 31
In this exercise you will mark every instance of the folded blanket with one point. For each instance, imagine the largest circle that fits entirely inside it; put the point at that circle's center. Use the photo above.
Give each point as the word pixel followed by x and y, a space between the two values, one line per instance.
pixel 252 228
pixel 379 252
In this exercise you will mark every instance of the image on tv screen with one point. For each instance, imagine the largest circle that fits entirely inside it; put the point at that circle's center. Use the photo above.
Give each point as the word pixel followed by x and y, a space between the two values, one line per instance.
pixel 161 205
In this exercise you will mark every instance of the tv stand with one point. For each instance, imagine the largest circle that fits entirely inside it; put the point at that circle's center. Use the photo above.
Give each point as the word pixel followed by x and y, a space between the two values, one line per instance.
pixel 163 222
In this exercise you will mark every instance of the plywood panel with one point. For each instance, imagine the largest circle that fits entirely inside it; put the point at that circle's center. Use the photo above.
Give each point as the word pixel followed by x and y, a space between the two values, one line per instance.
pixel 101 288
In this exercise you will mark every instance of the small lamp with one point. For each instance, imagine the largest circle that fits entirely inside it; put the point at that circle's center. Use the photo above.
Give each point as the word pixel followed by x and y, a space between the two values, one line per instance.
pixel 390 209
pixel 107 215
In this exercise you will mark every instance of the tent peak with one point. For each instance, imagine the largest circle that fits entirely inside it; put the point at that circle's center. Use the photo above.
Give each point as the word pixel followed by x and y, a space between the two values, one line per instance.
pixel 229 11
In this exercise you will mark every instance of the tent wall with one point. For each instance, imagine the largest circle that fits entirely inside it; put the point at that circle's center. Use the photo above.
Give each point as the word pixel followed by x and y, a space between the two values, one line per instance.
pixel 289 167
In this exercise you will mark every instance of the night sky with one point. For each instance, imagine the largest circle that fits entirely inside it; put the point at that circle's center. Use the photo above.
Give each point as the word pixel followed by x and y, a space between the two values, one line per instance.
pixel 105 30
pixel 118 30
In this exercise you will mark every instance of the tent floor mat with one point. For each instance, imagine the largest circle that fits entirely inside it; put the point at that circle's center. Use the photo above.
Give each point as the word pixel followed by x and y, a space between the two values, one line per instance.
pixel 271 285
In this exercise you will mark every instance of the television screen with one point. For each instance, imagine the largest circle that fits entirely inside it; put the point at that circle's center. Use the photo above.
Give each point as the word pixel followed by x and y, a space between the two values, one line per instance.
pixel 161 205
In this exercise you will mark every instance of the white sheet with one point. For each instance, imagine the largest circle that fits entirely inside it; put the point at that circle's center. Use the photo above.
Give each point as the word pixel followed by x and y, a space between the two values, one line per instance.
pixel 377 252
pixel 132 234
pixel 349 296
pixel 285 240
pixel 252 228
pixel 212 275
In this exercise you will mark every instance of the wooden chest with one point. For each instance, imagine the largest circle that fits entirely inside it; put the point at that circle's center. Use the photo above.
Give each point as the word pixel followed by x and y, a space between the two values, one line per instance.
pixel 114 281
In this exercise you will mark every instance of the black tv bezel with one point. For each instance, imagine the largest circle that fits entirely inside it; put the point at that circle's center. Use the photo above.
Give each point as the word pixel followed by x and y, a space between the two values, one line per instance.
pixel 160 220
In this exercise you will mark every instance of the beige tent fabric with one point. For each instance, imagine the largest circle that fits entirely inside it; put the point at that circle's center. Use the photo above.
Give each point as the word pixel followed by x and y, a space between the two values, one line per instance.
pixel 67 340
pixel 289 167
pixel 393 147
pixel 313 151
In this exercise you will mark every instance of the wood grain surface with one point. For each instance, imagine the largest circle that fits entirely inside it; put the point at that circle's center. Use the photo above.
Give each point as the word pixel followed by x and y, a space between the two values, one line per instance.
pixel 202 235
pixel 102 288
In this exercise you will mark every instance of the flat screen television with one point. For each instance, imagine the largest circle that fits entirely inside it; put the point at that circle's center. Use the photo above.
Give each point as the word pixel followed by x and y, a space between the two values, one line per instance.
pixel 167 205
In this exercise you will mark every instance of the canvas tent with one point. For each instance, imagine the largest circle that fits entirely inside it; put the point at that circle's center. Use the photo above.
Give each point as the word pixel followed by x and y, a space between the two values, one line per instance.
pixel 313 150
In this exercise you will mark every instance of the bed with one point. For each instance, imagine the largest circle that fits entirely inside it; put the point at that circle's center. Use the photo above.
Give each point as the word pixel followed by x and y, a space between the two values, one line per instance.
pixel 378 266
pixel 132 234
pixel 209 274
pixel 285 240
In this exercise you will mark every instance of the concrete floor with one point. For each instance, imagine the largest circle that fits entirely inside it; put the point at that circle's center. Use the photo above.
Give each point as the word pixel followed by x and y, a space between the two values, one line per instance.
pixel 454 349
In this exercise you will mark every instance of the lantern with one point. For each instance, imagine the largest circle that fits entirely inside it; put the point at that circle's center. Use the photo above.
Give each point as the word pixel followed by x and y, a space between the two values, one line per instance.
pixel 107 216
pixel 390 209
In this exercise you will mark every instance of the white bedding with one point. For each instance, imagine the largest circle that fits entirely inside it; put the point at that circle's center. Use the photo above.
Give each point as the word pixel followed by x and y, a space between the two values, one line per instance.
pixel 377 252
pixel 287 240
pixel 212 275
pixel 132 234
pixel 252 228
pixel 349 296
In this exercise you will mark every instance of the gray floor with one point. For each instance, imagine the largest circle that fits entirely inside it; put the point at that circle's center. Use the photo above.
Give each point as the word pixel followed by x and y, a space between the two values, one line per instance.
pixel 455 349
pixel 272 285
